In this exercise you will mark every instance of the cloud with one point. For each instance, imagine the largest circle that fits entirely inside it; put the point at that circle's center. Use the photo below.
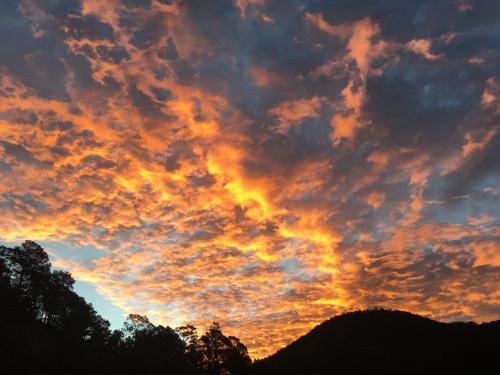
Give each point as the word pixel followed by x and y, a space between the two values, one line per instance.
pixel 263 174
pixel 362 50
pixel 422 47
pixel 490 98
pixel 294 111
pixel 242 5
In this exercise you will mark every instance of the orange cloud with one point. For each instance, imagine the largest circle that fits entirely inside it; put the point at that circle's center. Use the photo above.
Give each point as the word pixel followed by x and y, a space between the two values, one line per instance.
pixel 422 47
pixel 291 112
pixel 491 95
pixel 242 5
pixel 263 77
pixel 362 48
pixel 207 204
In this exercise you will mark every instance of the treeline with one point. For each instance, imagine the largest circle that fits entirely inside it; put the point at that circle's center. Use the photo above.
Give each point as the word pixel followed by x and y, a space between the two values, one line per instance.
pixel 46 328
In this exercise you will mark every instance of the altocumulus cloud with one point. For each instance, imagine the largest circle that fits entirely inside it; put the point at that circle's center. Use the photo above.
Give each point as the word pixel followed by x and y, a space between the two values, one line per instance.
pixel 261 163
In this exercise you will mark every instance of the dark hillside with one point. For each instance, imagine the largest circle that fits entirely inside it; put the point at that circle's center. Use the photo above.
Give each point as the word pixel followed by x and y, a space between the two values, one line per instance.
pixel 381 342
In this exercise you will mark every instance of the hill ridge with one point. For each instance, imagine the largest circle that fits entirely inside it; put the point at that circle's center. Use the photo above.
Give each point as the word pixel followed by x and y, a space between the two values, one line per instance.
pixel 388 341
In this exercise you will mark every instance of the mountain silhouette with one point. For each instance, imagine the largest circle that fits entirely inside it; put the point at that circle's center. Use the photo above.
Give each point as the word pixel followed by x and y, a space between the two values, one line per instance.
pixel 388 342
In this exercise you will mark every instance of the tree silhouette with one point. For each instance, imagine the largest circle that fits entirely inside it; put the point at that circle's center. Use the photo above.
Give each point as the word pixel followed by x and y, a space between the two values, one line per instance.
pixel 45 318
pixel 221 354
pixel 193 348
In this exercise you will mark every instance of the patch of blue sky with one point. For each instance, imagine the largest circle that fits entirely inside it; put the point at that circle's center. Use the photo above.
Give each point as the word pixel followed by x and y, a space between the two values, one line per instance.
pixel 103 306
pixel 62 250
pixel 290 266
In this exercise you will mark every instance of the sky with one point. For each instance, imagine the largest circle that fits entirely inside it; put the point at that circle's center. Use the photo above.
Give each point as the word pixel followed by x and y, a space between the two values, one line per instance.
pixel 266 164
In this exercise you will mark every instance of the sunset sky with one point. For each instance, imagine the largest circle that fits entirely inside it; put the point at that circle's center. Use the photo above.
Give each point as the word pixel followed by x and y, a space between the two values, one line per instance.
pixel 266 164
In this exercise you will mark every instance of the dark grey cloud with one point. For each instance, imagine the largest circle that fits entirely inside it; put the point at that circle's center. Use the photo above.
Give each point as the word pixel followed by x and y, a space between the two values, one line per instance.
pixel 88 27
pixel 19 116
pixel 36 62
pixel 23 155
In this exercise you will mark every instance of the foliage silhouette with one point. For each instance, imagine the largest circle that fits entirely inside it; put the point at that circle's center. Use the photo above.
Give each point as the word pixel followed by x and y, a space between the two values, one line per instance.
pixel 221 354
pixel 46 328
